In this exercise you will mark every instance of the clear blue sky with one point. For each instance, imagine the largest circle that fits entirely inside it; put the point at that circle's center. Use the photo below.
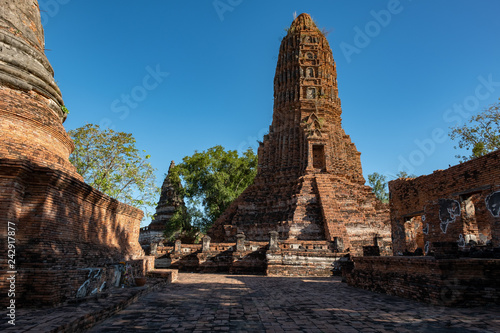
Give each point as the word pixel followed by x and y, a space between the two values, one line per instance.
pixel 416 68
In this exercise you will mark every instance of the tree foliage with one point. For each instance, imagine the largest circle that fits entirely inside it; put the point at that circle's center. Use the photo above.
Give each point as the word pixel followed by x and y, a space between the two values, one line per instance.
pixel 379 186
pixel 184 225
pixel 110 162
pixel 481 135
pixel 404 174
pixel 212 180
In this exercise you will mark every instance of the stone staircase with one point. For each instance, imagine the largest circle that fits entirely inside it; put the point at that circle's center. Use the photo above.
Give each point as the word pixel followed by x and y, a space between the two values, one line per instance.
pixel 307 221
pixel 330 196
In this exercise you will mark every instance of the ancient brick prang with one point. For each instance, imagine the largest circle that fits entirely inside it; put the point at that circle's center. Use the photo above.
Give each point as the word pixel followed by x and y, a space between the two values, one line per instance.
pixel 23 64
pixel 170 201
pixel 61 226
pixel 309 184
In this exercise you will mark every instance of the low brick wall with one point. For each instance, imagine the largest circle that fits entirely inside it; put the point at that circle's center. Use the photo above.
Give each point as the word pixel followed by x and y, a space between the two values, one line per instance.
pixel 64 228
pixel 302 258
pixel 221 258
pixel 171 275
pixel 450 282
pixel 289 258
pixel 301 263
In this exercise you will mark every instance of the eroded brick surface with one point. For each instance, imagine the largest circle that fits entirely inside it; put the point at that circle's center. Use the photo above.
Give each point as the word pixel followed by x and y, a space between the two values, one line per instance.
pixel 64 228
pixel 452 217
pixel 458 205
pixel 450 282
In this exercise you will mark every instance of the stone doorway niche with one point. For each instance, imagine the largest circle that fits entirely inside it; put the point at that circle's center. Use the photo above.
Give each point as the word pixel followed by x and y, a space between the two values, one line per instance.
pixel 318 154
pixel 311 93
pixel 310 72
pixel 476 230
pixel 414 233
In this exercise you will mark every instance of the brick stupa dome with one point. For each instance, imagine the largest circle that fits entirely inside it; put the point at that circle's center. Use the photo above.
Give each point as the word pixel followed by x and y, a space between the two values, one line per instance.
pixel 64 227
pixel 23 64
pixel 31 103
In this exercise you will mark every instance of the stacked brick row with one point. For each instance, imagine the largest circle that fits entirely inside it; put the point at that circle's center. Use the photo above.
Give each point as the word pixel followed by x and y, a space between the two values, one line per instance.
pixel 454 205
pixel 218 258
pixel 450 282
pixel 288 258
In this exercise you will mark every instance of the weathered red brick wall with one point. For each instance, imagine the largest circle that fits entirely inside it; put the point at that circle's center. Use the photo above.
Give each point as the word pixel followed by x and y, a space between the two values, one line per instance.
pixel 221 258
pixel 452 205
pixel 302 258
pixel 30 130
pixel 63 226
pixel 289 258
pixel 62 223
pixel 352 212
pixel 450 282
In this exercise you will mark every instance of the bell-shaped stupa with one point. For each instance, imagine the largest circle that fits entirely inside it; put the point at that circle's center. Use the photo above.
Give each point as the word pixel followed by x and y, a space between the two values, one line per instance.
pixel 61 227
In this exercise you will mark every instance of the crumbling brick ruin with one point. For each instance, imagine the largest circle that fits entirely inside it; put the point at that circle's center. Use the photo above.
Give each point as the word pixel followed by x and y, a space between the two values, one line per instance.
pixel 272 258
pixel 309 185
pixel 64 228
pixel 453 217
pixel 458 205
pixel 170 200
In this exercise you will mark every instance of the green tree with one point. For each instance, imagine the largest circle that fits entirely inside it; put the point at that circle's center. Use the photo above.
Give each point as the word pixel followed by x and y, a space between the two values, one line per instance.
pixel 183 225
pixel 212 180
pixel 404 174
pixel 110 162
pixel 481 135
pixel 379 186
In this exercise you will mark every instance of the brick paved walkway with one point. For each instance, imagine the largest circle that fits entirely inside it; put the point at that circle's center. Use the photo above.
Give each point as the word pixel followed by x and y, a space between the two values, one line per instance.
pixel 235 303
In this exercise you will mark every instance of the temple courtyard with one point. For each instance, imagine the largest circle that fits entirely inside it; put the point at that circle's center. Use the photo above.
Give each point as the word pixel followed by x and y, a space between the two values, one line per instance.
pixel 236 303
pixel 73 252
pixel 245 303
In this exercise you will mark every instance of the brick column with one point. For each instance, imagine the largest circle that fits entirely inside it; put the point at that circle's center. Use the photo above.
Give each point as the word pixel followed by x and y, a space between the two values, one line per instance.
pixel 240 242
pixel 154 249
pixel 338 244
pixel 273 241
pixel 177 248
pixel 206 244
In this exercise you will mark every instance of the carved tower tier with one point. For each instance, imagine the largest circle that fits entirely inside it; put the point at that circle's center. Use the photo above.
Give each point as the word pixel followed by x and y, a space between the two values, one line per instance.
pixel 309 184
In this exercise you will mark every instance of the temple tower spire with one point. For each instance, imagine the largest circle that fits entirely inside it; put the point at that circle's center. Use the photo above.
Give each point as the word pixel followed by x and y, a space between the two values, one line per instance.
pixel 307 111
pixel 309 184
